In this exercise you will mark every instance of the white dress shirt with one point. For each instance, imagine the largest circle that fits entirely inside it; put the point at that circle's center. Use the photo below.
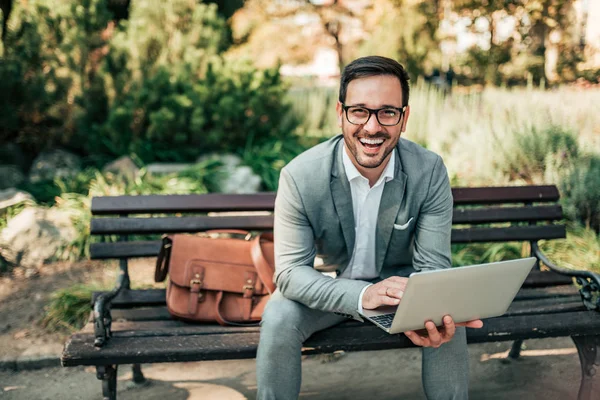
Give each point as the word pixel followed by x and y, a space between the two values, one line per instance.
pixel 365 204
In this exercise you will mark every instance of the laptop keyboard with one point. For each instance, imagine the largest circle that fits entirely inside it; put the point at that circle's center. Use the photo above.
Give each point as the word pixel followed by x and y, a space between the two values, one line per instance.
pixel 384 320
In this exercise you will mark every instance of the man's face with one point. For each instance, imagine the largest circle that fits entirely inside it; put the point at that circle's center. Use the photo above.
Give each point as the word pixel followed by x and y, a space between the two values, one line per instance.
pixel 370 144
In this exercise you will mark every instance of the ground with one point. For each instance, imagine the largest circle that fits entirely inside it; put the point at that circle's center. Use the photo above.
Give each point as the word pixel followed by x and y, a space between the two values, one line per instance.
pixel 548 370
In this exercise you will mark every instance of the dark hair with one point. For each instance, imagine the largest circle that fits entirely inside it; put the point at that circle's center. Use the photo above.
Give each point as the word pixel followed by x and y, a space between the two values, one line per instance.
pixel 372 66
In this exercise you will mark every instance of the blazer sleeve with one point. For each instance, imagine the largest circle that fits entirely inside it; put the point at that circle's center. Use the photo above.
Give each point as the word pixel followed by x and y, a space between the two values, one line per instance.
pixel 295 252
pixel 434 226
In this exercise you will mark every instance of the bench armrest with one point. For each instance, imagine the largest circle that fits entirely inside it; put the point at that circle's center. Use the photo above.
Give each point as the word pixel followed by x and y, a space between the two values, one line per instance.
pixel 102 315
pixel 589 281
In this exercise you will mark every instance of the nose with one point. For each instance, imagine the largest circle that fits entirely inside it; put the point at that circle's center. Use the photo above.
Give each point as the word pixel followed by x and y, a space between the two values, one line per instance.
pixel 372 124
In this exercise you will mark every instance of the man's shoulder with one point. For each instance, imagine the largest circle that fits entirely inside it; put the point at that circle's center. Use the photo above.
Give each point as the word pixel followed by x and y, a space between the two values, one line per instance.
pixel 317 159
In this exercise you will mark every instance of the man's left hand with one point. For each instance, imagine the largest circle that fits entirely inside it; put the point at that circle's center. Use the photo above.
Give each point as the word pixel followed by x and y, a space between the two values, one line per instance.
pixel 432 337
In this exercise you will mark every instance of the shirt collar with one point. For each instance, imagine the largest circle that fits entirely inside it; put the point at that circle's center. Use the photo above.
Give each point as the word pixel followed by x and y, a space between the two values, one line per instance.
pixel 353 173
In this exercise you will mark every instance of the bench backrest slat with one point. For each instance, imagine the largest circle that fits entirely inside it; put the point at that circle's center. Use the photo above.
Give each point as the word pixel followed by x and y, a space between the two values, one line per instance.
pixel 472 235
pixel 125 226
pixel 506 214
pixel 507 194
pixel 115 205
pixel 160 225
pixel 512 233
pixel 510 213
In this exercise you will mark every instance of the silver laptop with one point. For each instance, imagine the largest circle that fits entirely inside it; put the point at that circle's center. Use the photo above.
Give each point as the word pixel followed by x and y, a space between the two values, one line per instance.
pixel 465 293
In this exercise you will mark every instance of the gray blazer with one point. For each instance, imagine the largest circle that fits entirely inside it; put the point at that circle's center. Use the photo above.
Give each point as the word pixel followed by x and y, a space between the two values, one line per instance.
pixel 314 216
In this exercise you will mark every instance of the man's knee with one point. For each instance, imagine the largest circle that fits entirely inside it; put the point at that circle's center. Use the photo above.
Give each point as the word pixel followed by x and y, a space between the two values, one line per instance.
pixel 282 318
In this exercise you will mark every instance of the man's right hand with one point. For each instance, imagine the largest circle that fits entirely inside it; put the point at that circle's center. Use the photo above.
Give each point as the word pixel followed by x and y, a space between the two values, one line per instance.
pixel 388 292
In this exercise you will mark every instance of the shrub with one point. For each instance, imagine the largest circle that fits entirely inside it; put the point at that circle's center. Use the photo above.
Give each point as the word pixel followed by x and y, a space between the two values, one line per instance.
pixel 68 308
pixel 478 253
pixel 580 250
pixel 533 153
pixel 45 65
pixel 581 192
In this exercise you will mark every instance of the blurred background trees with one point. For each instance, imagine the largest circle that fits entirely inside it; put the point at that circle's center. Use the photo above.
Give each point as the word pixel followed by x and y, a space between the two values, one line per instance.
pixel 505 90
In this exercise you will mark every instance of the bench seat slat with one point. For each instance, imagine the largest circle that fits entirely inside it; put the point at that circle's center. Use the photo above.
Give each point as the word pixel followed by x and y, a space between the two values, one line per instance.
pixel 160 225
pixel 154 297
pixel 100 251
pixel 123 350
pixel 518 307
pixel 172 327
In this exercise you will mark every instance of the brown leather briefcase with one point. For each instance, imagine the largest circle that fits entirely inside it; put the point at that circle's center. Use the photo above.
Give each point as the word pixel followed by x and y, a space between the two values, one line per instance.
pixel 227 280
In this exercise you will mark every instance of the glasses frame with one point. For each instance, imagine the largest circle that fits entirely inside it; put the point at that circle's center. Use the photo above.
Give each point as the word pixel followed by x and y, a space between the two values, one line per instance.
pixel 376 112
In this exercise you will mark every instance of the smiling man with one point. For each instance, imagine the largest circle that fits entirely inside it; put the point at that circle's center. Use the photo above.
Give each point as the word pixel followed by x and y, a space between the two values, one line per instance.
pixel 375 208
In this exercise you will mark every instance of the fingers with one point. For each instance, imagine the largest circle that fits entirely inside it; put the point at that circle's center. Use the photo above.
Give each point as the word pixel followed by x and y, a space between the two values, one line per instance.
pixel 390 292
pixel 435 338
pixel 472 324
pixel 417 339
pixel 449 327
pixel 388 301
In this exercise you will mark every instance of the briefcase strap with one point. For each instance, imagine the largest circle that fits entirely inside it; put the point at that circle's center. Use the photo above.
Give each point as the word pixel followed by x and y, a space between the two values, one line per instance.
pixel 162 262
pixel 263 268
pixel 223 321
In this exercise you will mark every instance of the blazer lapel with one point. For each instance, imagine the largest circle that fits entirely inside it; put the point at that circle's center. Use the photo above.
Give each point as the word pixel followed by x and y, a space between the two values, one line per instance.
pixel 342 198
pixel 393 194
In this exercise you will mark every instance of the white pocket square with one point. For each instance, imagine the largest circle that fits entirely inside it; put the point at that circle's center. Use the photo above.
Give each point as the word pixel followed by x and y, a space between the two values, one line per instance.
pixel 403 226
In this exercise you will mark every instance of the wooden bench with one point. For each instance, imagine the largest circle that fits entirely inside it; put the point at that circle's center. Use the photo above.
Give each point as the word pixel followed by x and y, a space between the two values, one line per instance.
pixel 134 327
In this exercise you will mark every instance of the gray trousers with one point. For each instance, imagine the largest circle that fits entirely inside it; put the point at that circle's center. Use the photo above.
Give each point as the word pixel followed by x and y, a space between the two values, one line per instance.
pixel 285 326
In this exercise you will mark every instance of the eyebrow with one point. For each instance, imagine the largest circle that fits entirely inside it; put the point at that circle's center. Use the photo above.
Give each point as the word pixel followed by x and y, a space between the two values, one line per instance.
pixel 383 106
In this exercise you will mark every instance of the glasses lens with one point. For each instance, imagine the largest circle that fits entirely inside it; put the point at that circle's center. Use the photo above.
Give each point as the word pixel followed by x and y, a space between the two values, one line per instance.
pixel 388 116
pixel 357 115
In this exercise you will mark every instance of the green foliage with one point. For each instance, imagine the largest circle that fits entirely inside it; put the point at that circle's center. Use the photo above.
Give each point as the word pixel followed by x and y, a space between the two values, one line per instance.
pixel 580 250
pixel 267 159
pixel 581 192
pixel 171 98
pixel 478 253
pixel 531 153
pixel 46 65
pixel 69 308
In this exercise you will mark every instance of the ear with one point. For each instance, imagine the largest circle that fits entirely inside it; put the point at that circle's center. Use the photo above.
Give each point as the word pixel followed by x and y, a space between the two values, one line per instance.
pixel 340 113
pixel 405 118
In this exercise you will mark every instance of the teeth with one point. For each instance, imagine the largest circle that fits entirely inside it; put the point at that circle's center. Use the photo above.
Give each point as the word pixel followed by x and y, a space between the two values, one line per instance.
pixel 371 141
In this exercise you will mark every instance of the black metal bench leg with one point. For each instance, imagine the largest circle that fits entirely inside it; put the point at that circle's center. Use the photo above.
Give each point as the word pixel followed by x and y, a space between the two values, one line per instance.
pixel 589 356
pixel 108 375
pixel 138 376
pixel 515 351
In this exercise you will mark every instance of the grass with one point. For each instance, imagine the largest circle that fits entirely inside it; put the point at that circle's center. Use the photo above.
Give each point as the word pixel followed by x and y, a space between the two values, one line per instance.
pixel 472 130
pixel 68 308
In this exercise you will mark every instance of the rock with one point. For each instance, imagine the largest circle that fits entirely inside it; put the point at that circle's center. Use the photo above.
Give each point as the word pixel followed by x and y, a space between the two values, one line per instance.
pixel 237 178
pixel 54 164
pixel 12 154
pixel 228 160
pixel 12 196
pixel 35 235
pixel 241 180
pixel 10 176
pixel 166 168
pixel 124 167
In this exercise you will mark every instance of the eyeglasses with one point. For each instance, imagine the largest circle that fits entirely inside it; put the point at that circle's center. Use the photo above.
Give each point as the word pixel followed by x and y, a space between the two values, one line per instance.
pixel 386 116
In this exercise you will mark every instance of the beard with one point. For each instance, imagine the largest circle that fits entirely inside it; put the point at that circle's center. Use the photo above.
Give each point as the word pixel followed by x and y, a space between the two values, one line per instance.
pixel 370 157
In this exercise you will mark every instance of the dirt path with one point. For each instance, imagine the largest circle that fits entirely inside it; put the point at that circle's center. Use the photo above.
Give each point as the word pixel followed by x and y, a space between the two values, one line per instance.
pixel 389 374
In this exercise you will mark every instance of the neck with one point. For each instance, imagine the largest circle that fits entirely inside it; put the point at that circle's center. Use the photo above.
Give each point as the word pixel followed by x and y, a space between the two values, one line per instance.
pixel 372 174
